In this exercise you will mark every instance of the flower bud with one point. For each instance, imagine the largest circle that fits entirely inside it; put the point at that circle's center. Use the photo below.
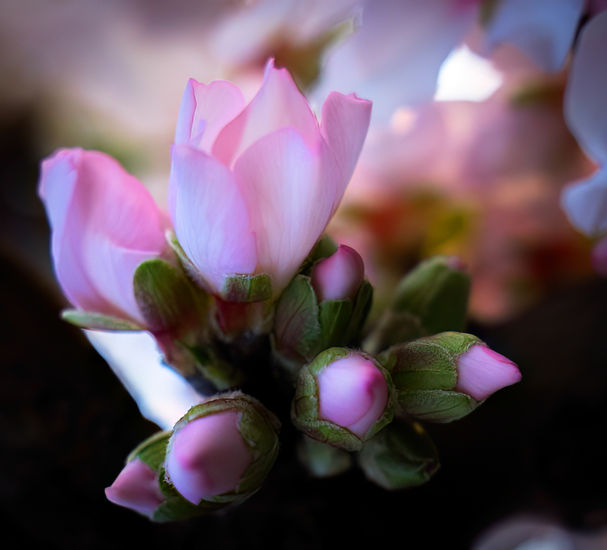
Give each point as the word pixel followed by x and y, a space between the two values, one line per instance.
pixel 221 450
pixel 342 398
pixel 339 276
pixel 432 298
pixel 401 456
pixel 444 377
pixel 322 460
pixel 137 488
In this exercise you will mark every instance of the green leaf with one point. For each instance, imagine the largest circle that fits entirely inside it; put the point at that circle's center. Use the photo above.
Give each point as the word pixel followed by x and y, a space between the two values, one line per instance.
pixel 297 329
pixel 436 405
pixel 360 311
pixel 247 288
pixel 164 295
pixel 98 321
pixel 334 317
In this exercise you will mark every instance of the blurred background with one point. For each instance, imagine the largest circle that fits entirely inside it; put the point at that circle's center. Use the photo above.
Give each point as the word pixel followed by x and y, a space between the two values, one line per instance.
pixel 468 154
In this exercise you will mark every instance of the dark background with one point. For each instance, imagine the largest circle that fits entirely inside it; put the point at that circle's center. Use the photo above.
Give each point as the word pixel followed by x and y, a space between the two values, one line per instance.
pixel 67 425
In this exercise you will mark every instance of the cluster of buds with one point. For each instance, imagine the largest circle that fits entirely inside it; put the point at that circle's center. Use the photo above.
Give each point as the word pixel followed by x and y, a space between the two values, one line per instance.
pixel 238 284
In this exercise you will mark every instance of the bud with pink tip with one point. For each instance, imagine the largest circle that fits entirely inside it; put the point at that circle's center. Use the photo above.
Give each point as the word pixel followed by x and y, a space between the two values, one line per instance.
pixel 343 398
pixel 444 377
pixel 339 276
pixel 137 488
pixel 221 450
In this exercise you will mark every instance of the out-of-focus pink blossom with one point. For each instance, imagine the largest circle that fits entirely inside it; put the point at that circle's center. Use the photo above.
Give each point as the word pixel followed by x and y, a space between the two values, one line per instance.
pixel 339 276
pixel 542 29
pixel 137 488
pixel 104 224
pixel 599 257
pixel 352 393
pixel 482 371
pixel 254 185
pixel 208 456
pixel 585 202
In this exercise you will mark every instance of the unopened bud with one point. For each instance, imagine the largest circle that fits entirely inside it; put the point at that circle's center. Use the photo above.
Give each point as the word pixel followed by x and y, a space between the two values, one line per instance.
pixel 322 460
pixel 444 377
pixel 339 276
pixel 400 456
pixel 343 398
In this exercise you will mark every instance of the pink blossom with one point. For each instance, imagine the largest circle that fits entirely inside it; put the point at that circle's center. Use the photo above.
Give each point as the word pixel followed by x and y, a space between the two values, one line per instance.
pixel 254 185
pixel 137 488
pixel 104 224
pixel 353 393
pixel 482 371
pixel 339 276
pixel 208 456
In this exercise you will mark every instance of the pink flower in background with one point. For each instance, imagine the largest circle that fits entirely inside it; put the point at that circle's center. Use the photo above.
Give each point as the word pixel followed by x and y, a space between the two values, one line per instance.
pixel 208 456
pixel 254 185
pixel 137 488
pixel 352 393
pixel 104 224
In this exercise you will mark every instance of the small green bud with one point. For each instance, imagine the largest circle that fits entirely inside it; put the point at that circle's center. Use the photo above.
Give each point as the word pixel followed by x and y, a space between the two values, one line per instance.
pixel 400 456
pixel 322 460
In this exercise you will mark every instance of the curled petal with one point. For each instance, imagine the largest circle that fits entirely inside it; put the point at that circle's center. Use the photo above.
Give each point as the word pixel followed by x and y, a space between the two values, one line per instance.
pixel 210 217
pixel 278 104
pixel 586 204
pixel 585 98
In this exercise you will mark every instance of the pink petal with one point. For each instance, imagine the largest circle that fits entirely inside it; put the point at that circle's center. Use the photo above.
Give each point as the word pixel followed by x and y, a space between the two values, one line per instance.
pixel 339 276
pixel 585 204
pixel 104 223
pixel 344 125
pixel 482 371
pixel 137 488
pixel 208 457
pixel 210 218
pixel 352 394
pixel 281 182
pixel 278 104
pixel 205 110
pixel 542 29
pixel 585 98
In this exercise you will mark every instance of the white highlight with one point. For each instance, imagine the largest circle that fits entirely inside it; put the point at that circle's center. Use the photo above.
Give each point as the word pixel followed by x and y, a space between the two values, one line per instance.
pixel 466 76
pixel 161 394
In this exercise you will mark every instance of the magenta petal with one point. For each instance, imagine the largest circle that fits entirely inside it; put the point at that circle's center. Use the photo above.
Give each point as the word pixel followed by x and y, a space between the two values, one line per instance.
pixel 99 214
pixel 339 276
pixel 586 204
pixel 210 218
pixel 344 125
pixel 205 110
pixel 280 178
pixel 278 104
pixel 481 372
pixel 208 457
pixel 137 488
pixel 585 98
pixel 352 393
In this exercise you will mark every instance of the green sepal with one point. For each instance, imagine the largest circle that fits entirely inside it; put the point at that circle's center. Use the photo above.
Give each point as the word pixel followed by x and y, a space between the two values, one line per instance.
pixel 401 456
pixel 209 365
pixel 152 451
pixel 247 288
pixel 440 406
pixel 165 296
pixel 432 298
pixel 324 247
pixel 334 317
pixel 296 325
pixel 259 430
pixel 305 406
pixel 360 311
pixel 322 460
pixel 98 321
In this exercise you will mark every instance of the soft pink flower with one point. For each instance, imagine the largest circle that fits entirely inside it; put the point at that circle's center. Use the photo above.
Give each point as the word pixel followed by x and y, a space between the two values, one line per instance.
pixel 482 371
pixel 352 393
pixel 254 185
pixel 339 276
pixel 208 456
pixel 104 224
pixel 137 488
